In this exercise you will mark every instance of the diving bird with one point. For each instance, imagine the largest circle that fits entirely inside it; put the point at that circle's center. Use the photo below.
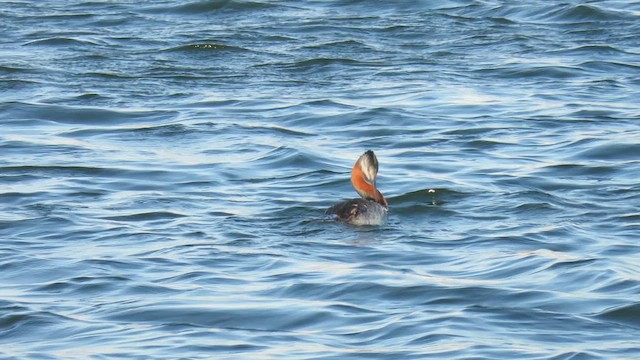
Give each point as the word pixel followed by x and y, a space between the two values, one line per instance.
pixel 372 208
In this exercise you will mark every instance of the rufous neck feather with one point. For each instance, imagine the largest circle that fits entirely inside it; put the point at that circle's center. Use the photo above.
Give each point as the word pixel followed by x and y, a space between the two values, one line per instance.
pixel 363 178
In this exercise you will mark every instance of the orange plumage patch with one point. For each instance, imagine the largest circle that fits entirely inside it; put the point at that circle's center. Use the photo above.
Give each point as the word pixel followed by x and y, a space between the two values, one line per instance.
pixel 359 182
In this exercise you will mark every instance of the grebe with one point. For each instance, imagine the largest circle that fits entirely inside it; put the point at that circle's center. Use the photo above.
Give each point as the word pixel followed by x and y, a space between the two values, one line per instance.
pixel 373 207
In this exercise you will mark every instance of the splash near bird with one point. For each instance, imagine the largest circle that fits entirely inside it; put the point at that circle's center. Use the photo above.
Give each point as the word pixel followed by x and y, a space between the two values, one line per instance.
pixel 373 207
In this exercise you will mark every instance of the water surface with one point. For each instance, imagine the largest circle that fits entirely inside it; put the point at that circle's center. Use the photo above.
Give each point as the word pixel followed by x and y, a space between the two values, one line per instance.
pixel 164 168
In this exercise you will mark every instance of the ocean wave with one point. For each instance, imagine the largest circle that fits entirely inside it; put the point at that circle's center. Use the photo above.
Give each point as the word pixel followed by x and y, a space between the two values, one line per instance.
pixel 206 47
pixel 61 41
pixel 206 6
pixel 21 111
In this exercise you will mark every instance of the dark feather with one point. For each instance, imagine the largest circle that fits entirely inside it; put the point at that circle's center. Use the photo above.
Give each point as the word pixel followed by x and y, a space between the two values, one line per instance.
pixel 350 209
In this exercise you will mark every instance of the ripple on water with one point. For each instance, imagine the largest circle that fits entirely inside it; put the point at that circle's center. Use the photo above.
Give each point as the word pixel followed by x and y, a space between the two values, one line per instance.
pixel 18 112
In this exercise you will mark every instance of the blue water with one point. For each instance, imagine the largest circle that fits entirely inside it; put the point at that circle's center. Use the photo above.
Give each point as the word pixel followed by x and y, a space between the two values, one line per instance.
pixel 165 165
